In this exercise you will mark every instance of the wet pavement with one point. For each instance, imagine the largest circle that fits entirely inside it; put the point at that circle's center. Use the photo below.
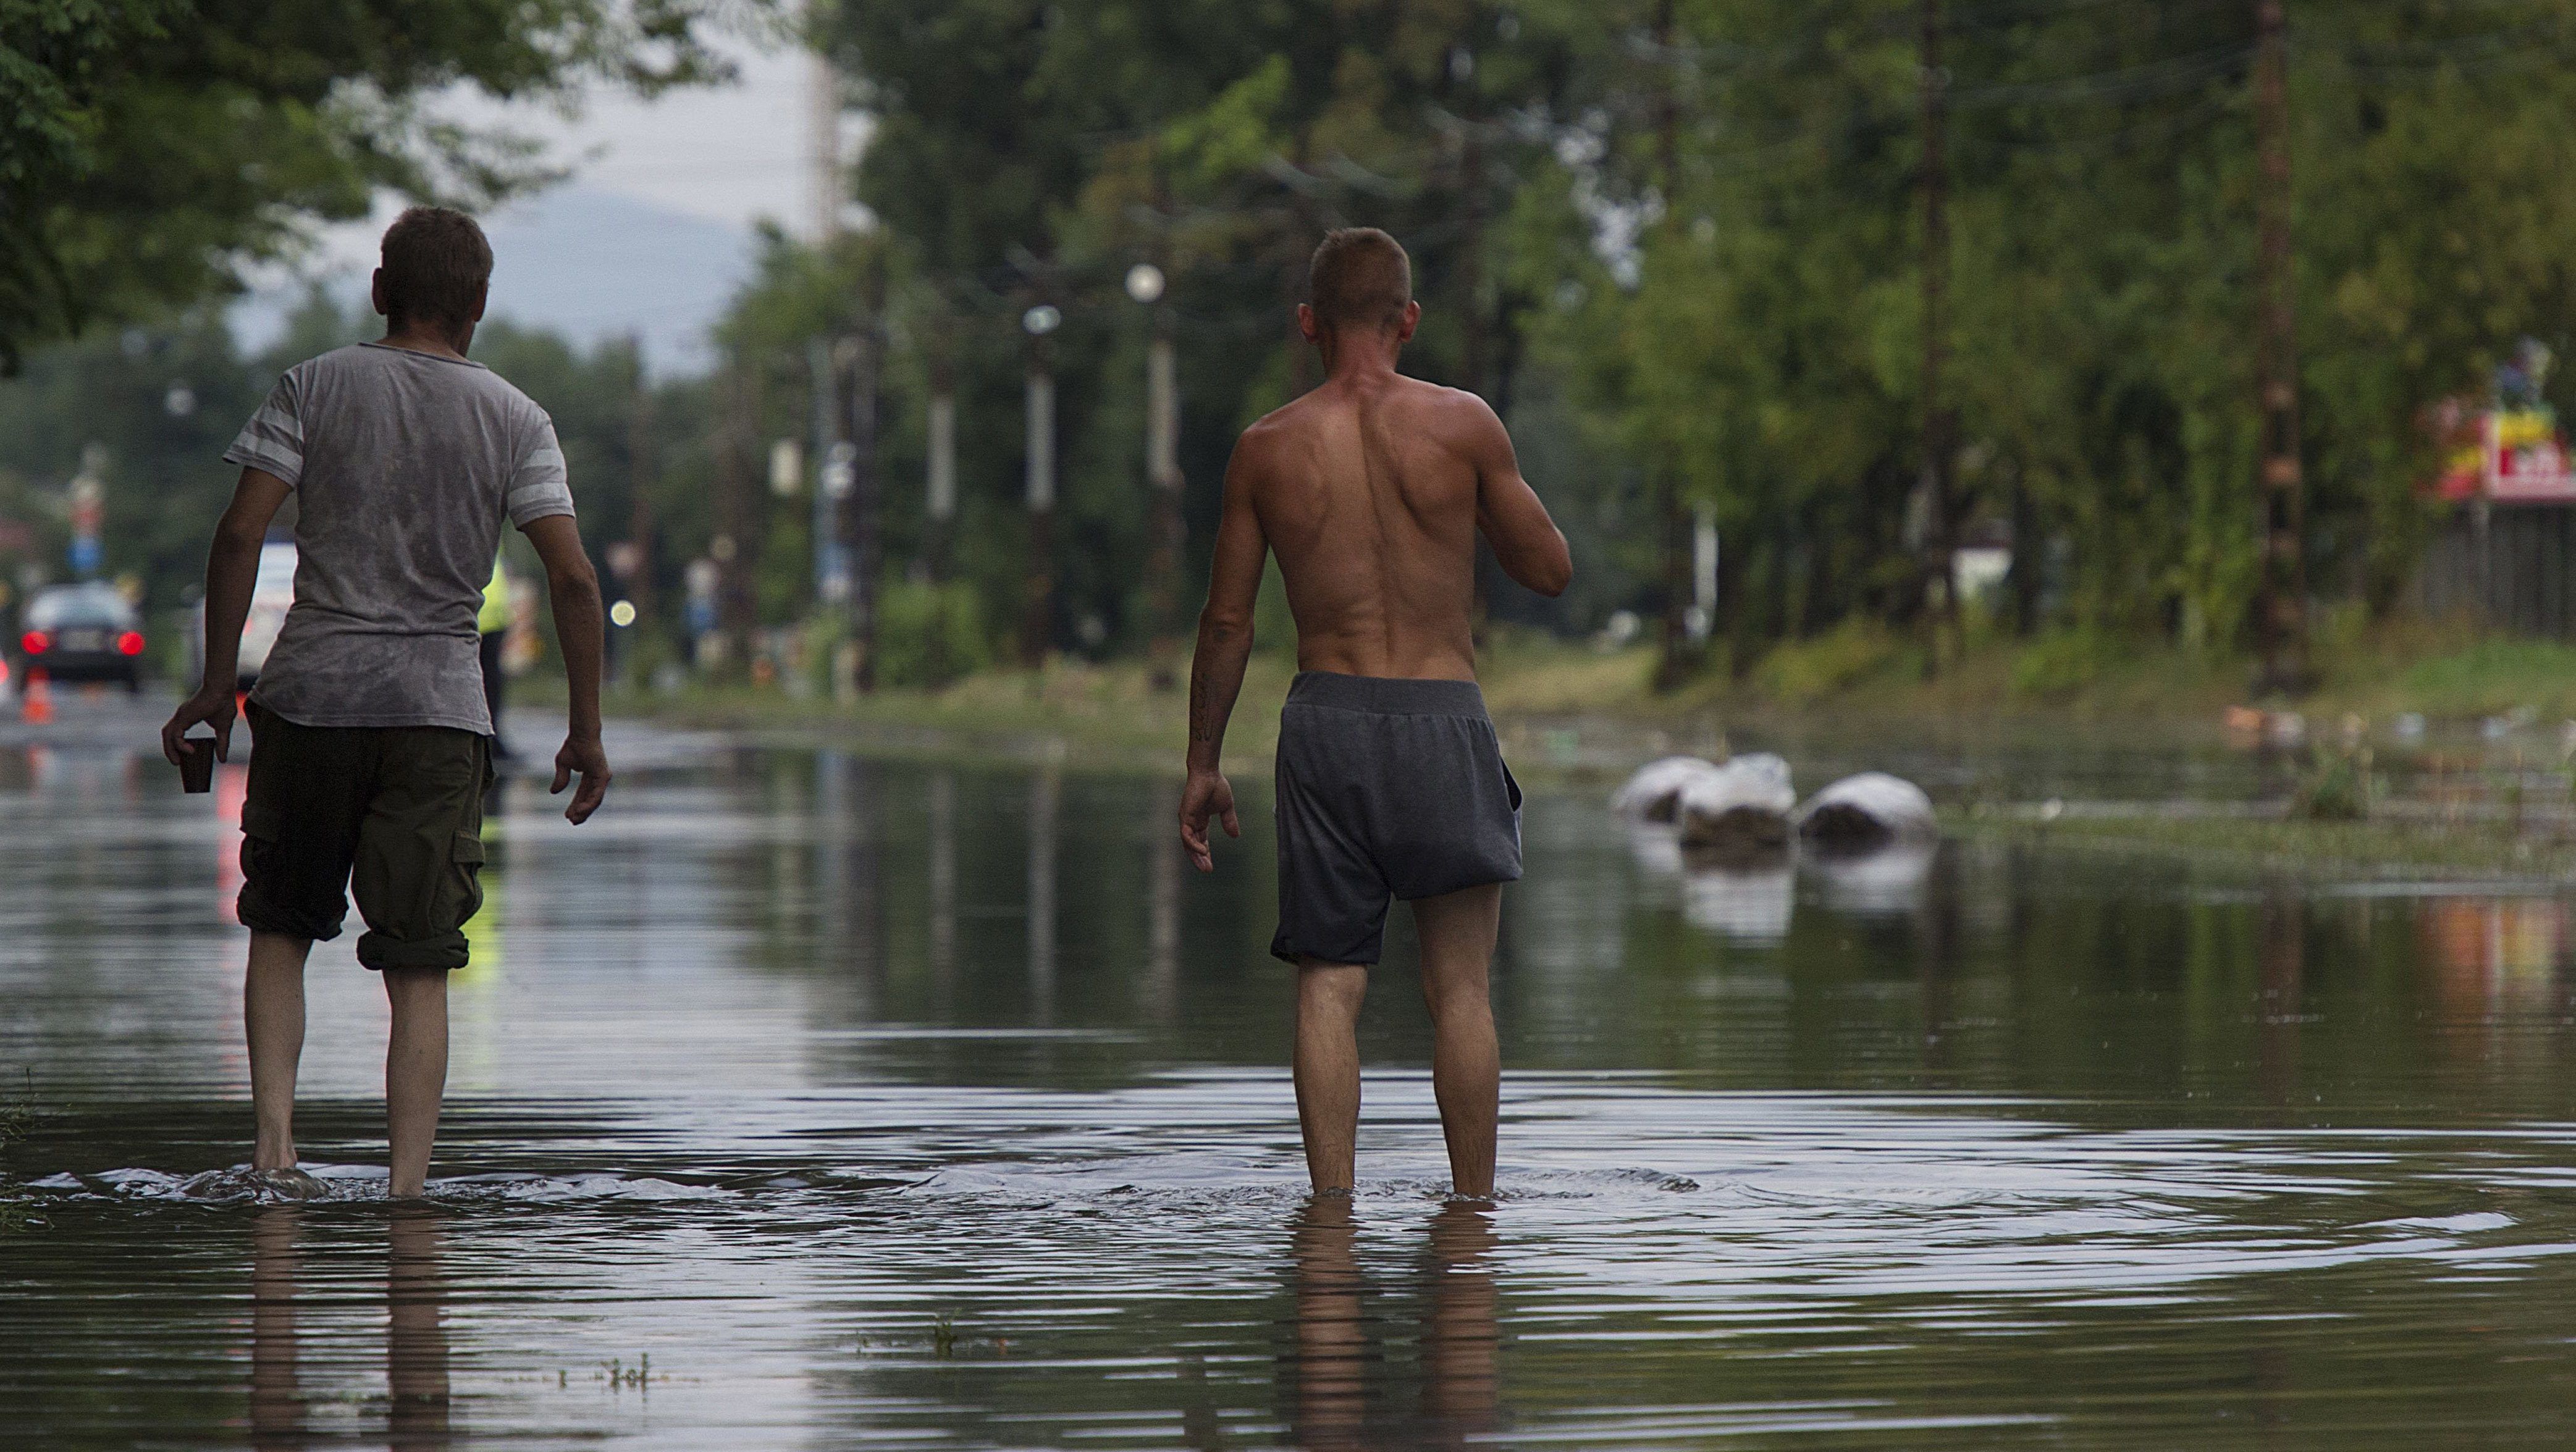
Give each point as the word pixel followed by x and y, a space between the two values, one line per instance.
pixel 809 1100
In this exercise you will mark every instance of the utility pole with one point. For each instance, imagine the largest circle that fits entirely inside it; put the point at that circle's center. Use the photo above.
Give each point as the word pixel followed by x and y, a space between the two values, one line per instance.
pixel 1940 424
pixel 1146 284
pixel 639 463
pixel 860 521
pixel 826 187
pixel 1037 625
pixel 939 502
pixel 737 510
pixel 1673 527
pixel 2281 606
pixel 823 368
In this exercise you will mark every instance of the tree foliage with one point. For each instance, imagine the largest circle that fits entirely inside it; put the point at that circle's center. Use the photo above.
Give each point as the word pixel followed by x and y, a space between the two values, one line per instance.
pixel 150 149
pixel 1687 236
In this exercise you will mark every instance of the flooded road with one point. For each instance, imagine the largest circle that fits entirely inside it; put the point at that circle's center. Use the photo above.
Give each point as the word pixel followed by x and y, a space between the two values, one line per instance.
pixel 809 1100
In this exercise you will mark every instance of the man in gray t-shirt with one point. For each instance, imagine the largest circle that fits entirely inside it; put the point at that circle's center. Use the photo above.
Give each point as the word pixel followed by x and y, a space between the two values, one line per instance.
pixel 373 740
pixel 404 463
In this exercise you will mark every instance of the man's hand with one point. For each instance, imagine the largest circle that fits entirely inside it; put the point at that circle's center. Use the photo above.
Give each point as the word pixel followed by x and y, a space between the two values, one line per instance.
pixel 211 706
pixel 585 756
pixel 1206 795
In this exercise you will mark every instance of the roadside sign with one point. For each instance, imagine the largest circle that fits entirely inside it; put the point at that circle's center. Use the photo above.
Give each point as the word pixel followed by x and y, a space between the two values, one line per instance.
pixel 2526 459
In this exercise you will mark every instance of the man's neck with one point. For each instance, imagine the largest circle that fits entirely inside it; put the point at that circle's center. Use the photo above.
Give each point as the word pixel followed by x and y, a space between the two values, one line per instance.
pixel 417 339
pixel 1363 360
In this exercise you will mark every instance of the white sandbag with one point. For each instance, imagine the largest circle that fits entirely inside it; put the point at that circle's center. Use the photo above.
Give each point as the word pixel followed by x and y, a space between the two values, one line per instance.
pixel 1740 809
pixel 1653 794
pixel 1866 812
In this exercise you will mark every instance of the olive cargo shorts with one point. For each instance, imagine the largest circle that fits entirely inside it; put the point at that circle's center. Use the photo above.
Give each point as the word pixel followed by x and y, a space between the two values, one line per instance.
pixel 394 812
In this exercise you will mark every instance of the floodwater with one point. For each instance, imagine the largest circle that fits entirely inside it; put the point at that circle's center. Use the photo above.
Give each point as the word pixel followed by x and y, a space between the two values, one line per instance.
pixel 810 1100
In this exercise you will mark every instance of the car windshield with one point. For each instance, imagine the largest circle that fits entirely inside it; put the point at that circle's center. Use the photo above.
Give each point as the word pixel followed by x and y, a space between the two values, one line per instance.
pixel 61 609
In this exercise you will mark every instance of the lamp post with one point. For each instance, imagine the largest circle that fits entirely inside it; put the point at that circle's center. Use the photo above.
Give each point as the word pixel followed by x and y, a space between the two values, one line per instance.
pixel 1145 283
pixel 1038 627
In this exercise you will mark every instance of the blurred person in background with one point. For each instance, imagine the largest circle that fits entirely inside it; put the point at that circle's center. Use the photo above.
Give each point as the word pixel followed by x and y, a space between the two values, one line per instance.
pixel 492 624
pixel 371 732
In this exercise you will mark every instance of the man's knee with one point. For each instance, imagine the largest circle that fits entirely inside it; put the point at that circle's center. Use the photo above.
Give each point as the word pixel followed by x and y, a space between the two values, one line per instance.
pixel 415 985
pixel 1331 985
pixel 1461 991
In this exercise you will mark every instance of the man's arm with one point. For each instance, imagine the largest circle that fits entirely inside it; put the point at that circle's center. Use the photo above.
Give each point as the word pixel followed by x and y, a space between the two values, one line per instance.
pixel 1527 544
pixel 580 631
pixel 1225 645
pixel 232 571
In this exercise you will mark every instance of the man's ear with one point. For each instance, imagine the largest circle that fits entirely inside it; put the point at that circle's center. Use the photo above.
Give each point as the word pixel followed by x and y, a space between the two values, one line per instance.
pixel 482 299
pixel 1405 324
pixel 376 294
pixel 1308 325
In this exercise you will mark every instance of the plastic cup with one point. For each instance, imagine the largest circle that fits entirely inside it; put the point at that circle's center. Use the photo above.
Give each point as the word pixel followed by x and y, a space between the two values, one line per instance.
pixel 196 763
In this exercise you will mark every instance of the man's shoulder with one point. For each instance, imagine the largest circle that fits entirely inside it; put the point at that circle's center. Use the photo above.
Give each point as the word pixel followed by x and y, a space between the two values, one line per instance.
pixel 1441 402
pixel 1284 419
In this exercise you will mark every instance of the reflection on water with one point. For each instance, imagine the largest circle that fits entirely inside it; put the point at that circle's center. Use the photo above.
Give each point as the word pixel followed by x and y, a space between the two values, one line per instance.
pixel 937 1105
pixel 415 1408
pixel 1456 1344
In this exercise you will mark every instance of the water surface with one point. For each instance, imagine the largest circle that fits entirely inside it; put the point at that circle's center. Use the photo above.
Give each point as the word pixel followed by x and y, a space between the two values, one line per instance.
pixel 906 1104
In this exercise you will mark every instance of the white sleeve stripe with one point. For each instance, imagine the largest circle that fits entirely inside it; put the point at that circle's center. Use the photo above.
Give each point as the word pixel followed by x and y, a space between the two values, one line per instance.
pixel 286 464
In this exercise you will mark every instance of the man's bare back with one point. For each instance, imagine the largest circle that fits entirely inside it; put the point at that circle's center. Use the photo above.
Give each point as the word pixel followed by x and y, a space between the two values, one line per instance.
pixel 1370 490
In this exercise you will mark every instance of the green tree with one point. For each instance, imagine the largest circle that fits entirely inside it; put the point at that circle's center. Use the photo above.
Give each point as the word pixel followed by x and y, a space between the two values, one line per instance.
pixel 150 149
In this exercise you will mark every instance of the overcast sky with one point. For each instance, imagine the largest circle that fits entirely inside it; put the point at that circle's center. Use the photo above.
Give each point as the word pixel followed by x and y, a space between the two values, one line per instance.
pixel 653 228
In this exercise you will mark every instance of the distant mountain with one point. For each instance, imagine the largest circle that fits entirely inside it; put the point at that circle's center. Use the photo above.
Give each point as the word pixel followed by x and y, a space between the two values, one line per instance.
pixel 586 263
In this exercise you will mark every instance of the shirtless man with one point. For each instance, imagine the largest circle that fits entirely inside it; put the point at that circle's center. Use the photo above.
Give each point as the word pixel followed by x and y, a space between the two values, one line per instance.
pixel 1390 782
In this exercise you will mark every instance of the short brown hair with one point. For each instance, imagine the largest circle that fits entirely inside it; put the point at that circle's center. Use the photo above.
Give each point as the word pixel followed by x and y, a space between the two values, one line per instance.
pixel 436 261
pixel 1360 278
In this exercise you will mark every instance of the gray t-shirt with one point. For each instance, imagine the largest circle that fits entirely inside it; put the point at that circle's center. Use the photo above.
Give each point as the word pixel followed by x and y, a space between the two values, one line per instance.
pixel 403 464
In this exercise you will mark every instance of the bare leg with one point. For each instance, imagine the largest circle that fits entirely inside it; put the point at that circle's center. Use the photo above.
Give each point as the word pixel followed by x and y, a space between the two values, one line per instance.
pixel 273 1021
pixel 1457 931
pixel 415 1072
pixel 1328 1069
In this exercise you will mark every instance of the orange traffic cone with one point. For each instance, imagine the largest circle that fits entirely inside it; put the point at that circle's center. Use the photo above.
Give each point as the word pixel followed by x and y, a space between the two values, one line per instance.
pixel 36 702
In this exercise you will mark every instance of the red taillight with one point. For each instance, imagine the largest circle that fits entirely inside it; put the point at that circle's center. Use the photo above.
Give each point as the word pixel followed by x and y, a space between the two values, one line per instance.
pixel 36 642
pixel 130 643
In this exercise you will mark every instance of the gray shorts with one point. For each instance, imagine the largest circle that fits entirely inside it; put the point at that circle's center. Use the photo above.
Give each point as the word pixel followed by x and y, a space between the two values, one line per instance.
pixel 1387 789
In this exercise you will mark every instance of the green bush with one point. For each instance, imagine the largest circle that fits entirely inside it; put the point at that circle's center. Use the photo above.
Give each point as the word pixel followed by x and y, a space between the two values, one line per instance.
pixel 2335 786
pixel 1807 670
pixel 2064 662
pixel 929 635
pixel 2495 676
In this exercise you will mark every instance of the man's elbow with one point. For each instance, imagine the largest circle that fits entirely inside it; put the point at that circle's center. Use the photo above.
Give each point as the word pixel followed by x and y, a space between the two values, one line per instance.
pixel 1559 576
pixel 1551 573
pixel 237 536
pixel 572 579
pixel 1224 627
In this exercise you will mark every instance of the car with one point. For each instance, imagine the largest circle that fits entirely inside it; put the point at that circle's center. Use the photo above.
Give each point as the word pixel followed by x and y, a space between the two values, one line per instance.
pixel 84 632
pixel 272 594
